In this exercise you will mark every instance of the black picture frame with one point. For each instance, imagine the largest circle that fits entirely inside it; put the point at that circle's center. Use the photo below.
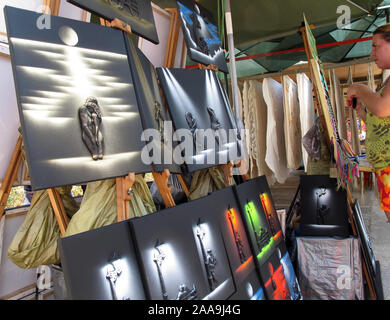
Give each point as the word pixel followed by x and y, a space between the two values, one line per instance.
pixel 195 92
pixel 289 272
pixel 274 279
pixel 172 234
pixel 55 71
pixel 373 266
pixel 87 257
pixel 137 13
pixel 153 112
pixel 225 212
pixel 260 217
pixel 323 207
pixel 201 35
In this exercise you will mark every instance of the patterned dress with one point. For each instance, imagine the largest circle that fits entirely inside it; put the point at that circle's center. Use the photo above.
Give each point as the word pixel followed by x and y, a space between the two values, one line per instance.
pixel 378 151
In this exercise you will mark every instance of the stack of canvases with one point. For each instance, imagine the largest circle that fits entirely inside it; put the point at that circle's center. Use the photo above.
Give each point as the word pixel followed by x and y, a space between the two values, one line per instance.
pixel 277 116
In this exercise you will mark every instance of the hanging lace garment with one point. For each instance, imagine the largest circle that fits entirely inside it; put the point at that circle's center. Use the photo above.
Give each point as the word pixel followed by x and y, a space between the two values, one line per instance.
pixel 339 105
pixel 292 123
pixel 258 111
pixel 306 109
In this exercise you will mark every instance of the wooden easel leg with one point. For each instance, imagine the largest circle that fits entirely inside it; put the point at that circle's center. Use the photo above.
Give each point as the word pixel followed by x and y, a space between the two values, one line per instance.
pixel 10 175
pixel 123 195
pixel 183 184
pixel 58 209
pixel 162 185
pixel 227 172
pixel 242 167
pixel 173 38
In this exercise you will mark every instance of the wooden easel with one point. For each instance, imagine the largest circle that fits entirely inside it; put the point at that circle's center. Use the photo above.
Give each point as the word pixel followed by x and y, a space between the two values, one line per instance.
pixel 227 168
pixel 124 184
pixel 324 115
pixel 9 179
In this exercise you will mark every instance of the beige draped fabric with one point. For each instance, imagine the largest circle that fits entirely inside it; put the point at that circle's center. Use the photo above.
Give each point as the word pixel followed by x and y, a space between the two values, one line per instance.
pixel 292 123
pixel 206 181
pixel 339 105
pixel 276 148
pixel 98 207
pixel 306 109
pixel 35 242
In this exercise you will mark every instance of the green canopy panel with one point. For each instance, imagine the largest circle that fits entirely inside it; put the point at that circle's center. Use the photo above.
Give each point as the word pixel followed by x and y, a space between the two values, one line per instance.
pixel 264 27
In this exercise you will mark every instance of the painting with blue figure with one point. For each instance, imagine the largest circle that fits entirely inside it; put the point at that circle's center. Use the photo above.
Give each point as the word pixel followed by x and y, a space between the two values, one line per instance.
pixel 289 274
pixel 259 295
pixel 201 35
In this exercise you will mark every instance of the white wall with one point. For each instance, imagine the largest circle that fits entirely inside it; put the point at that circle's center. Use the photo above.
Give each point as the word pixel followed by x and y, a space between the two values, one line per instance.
pixel 156 53
pixel 9 116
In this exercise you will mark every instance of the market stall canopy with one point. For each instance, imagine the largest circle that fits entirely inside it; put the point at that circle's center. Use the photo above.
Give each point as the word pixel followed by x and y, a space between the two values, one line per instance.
pixel 262 28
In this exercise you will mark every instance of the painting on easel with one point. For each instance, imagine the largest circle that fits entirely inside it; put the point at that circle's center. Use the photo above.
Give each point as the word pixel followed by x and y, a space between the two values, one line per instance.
pixel 77 104
pixel 138 14
pixel 198 103
pixel 344 157
pixel 152 111
pixel 201 35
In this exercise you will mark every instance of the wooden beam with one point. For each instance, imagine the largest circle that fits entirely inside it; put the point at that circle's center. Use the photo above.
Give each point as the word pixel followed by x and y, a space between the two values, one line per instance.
pixel 10 175
pixel 183 184
pixel 161 180
pixel 123 195
pixel 58 209
pixel 174 30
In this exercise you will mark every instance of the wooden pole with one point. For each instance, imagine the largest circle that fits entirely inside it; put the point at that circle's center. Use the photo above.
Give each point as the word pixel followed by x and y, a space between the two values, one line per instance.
pixel 174 30
pixel 123 195
pixel 58 209
pixel 10 175
pixel 161 180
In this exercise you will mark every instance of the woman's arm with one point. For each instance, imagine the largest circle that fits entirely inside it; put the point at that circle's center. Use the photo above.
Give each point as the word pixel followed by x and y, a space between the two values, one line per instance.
pixel 376 103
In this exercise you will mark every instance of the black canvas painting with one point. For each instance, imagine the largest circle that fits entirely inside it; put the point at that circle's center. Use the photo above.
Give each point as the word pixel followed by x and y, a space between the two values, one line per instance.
pixel 323 207
pixel 368 253
pixel 153 111
pixel 274 280
pixel 259 216
pixel 182 254
pixel 137 13
pixel 226 211
pixel 201 35
pixel 198 104
pixel 77 104
pixel 101 264
pixel 289 273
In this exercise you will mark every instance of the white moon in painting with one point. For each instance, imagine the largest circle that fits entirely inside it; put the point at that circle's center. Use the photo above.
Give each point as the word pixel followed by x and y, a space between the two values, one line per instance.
pixel 68 36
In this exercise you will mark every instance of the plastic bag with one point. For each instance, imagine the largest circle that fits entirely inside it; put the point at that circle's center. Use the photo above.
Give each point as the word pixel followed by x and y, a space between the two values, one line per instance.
pixel 35 242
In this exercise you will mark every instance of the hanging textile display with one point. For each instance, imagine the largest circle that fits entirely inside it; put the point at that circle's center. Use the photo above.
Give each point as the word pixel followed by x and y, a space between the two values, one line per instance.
pixel 306 109
pixel 258 111
pixel 292 124
pixel 35 242
pixel 249 123
pixel 371 78
pixel 339 104
pixel 98 207
pixel 276 149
